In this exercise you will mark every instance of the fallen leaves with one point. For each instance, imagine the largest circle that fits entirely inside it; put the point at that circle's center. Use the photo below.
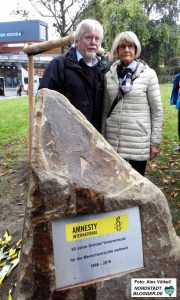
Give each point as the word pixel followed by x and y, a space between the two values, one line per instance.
pixel 174 163
pixel 7 173
pixel 153 165
pixel 174 195
pixel 169 179
pixel 166 172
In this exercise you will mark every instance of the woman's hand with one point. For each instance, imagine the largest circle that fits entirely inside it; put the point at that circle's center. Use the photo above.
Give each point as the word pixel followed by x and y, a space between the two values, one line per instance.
pixel 154 150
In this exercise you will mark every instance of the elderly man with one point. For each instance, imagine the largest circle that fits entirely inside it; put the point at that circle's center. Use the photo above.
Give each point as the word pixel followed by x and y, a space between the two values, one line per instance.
pixel 79 74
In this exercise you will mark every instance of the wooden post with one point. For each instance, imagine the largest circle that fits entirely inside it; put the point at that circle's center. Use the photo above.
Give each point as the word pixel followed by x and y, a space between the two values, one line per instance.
pixel 31 101
pixel 48 45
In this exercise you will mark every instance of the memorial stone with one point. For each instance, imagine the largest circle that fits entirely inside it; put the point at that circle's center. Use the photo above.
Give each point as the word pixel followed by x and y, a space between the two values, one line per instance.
pixel 78 187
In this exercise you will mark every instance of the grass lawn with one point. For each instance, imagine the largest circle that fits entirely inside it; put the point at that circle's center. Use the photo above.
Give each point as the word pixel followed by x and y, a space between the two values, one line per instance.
pixel 13 129
pixel 165 169
pixel 13 119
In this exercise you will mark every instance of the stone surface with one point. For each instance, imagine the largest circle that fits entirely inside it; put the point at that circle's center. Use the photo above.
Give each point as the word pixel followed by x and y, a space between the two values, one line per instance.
pixel 76 172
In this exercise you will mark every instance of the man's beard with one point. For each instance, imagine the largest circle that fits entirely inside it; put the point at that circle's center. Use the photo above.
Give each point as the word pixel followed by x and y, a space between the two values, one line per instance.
pixel 90 55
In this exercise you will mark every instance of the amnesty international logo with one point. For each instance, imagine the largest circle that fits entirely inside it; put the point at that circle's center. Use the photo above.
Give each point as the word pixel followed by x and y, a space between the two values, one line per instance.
pixel 96 227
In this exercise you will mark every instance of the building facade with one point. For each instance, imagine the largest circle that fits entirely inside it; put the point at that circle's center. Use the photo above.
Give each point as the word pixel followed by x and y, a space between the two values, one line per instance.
pixel 13 37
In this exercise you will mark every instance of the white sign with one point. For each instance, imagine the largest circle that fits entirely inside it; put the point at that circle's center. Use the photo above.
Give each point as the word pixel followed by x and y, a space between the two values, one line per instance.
pixel 42 32
pixel 96 246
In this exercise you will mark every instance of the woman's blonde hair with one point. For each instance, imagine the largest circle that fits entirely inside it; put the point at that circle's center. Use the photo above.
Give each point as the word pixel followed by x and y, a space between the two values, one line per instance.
pixel 127 36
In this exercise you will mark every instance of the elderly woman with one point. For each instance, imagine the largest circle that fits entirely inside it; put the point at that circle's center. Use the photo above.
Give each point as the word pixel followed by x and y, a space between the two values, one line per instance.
pixel 132 117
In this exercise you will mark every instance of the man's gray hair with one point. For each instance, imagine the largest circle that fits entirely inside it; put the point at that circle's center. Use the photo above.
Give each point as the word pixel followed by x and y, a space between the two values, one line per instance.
pixel 88 25
pixel 126 36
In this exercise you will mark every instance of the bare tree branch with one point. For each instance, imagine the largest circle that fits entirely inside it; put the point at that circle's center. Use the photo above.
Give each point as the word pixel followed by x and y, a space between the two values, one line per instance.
pixel 64 12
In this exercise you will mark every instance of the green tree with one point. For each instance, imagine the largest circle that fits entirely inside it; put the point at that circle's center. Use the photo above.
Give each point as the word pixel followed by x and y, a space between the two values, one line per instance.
pixel 162 8
pixel 163 41
pixel 123 15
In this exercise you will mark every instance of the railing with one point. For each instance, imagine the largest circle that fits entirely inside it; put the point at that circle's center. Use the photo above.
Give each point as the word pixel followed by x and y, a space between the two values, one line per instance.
pixel 24 58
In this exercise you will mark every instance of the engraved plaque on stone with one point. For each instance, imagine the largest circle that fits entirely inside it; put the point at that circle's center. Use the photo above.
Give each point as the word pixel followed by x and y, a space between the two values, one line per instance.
pixel 95 246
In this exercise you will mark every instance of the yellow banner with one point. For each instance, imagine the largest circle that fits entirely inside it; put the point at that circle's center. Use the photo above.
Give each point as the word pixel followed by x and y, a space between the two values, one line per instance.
pixel 96 227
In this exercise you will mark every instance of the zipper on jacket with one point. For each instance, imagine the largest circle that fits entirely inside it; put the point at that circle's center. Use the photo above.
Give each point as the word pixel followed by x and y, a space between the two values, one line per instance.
pixel 120 116
pixel 142 127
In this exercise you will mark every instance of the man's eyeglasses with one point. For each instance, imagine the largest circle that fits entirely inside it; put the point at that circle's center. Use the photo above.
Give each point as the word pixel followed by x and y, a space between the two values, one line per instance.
pixel 123 46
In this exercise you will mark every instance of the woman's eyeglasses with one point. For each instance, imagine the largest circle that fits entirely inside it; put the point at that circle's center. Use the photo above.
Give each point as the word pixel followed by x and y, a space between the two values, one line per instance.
pixel 123 46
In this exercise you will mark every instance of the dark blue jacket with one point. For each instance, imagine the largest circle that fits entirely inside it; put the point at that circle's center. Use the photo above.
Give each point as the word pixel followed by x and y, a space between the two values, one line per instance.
pixel 175 95
pixel 82 86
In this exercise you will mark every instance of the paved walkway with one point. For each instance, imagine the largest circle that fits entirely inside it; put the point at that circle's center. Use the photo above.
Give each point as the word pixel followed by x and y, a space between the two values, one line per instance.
pixel 10 93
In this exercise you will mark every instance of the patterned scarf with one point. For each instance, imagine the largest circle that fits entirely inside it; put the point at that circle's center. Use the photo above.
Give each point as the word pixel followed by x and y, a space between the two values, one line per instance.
pixel 125 76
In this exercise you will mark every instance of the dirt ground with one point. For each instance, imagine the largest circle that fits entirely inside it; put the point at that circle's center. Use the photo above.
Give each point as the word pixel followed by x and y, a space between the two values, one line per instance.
pixel 13 195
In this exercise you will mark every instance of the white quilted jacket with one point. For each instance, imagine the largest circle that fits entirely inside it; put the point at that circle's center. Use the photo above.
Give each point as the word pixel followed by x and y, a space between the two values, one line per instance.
pixel 136 121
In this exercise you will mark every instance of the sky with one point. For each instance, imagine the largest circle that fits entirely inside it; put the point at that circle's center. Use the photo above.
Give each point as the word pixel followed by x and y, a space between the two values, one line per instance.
pixel 10 5
pixel 7 6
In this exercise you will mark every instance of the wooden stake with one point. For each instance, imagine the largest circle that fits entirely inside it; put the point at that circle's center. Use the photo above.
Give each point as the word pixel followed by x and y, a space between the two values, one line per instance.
pixel 45 46
pixel 31 101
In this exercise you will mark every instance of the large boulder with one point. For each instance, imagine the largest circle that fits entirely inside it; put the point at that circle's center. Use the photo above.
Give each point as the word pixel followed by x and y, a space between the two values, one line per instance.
pixel 75 172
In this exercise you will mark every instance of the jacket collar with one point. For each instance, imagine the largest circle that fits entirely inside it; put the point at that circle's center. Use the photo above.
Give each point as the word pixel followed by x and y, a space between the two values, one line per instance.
pixel 71 61
pixel 79 57
pixel 141 67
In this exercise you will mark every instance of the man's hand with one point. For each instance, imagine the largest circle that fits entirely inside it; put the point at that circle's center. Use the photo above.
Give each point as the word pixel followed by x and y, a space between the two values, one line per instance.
pixel 154 150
